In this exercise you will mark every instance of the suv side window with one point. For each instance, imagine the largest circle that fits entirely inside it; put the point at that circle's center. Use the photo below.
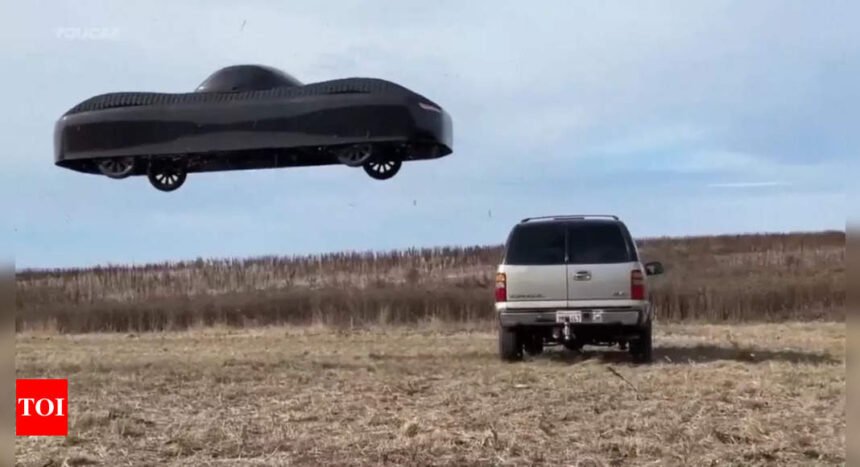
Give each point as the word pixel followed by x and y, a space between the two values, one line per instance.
pixel 536 244
pixel 597 243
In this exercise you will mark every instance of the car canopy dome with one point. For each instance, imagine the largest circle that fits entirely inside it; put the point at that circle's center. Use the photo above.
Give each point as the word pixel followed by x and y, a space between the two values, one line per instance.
pixel 240 78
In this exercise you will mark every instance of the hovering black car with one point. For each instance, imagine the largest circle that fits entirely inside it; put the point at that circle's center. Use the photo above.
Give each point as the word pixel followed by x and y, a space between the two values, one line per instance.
pixel 252 117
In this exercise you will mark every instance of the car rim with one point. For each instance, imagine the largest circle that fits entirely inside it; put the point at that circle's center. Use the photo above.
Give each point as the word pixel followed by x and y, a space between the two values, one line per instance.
pixel 167 177
pixel 355 156
pixel 382 169
pixel 116 167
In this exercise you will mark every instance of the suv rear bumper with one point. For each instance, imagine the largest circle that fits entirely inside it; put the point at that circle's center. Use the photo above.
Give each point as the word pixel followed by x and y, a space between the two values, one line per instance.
pixel 608 317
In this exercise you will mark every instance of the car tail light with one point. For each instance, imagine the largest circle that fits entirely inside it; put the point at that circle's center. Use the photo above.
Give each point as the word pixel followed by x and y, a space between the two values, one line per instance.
pixel 637 285
pixel 501 287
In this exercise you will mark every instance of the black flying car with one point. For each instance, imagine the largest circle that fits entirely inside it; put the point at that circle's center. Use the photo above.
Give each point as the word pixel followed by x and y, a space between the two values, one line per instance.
pixel 252 117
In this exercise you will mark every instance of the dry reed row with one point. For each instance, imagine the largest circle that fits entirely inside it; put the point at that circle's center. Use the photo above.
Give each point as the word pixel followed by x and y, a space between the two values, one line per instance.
pixel 718 278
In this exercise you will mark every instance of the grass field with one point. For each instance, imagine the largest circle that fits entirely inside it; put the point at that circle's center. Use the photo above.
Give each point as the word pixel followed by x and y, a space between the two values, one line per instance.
pixel 764 394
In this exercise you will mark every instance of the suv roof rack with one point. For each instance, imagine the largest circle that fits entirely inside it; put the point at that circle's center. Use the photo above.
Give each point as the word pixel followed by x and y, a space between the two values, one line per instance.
pixel 573 216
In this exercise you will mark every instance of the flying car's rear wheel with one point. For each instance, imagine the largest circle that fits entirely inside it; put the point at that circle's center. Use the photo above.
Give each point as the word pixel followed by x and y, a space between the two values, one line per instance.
pixel 383 169
pixel 116 167
pixel 356 155
pixel 166 176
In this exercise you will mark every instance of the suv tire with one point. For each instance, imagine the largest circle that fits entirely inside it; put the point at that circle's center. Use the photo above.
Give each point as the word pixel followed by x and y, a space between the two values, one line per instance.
pixel 533 343
pixel 510 344
pixel 641 348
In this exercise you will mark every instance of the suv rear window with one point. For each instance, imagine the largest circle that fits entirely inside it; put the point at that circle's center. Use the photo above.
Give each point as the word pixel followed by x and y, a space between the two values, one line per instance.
pixel 536 244
pixel 596 243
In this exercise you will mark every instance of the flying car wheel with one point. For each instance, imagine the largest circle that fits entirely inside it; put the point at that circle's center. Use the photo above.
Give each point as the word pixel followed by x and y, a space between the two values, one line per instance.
pixel 356 155
pixel 116 167
pixel 166 176
pixel 382 169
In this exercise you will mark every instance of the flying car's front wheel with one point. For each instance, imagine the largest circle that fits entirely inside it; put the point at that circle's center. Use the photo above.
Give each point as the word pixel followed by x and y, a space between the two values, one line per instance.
pixel 382 169
pixel 166 176
pixel 116 167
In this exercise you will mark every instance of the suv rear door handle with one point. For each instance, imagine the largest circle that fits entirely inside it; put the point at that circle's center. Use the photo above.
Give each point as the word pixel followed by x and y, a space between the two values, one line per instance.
pixel 582 275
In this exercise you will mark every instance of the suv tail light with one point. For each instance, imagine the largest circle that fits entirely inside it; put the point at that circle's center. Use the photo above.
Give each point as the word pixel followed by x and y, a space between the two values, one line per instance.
pixel 637 285
pixel 501 287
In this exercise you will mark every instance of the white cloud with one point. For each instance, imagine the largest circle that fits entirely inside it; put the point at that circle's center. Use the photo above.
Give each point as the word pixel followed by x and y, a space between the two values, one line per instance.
pixel 747 184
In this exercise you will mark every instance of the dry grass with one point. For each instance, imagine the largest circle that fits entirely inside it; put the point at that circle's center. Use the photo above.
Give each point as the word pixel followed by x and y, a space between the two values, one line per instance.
pixel 718 395
pixel 765 277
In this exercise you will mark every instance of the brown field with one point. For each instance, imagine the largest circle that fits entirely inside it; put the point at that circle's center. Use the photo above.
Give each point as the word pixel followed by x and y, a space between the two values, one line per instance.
pixel 744 395
pixel 736 278
pixel 389 358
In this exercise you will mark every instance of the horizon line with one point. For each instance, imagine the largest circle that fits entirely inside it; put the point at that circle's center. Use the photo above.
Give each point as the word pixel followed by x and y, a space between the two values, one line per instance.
pixel 176 262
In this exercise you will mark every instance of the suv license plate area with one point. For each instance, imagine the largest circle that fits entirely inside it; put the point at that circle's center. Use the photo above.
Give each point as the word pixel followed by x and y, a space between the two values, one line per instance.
pixel 579 316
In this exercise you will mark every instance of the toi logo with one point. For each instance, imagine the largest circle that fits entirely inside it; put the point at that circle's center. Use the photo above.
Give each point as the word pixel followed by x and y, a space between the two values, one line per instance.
pixel 41 407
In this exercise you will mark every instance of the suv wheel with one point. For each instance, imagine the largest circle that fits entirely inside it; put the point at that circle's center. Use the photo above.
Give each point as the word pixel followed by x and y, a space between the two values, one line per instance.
pixel 641 348
pixel 533 343
pixel 510 344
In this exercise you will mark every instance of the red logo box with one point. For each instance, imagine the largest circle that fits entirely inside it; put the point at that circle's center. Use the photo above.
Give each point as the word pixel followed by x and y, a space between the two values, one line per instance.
pixel 41 407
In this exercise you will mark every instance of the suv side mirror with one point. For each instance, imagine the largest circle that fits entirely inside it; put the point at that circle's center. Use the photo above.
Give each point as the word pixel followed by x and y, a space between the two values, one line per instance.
pixel 653 268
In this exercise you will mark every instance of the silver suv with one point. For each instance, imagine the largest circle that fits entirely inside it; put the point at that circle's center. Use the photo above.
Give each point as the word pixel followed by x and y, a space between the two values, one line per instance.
pixel 573 280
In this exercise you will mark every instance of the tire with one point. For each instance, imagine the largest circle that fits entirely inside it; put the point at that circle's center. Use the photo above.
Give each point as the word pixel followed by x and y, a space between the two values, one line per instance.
pixel 510 345
pixel 382 169
pixel 533 344
pixel 166 176
pixel 641 349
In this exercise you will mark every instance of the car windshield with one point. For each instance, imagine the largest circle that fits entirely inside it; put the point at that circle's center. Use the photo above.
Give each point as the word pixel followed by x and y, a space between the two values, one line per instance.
pixel 536 244
pixel 596 243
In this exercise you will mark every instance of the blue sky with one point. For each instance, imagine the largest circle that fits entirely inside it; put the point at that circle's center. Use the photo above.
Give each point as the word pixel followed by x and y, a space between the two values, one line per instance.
pixel 683 118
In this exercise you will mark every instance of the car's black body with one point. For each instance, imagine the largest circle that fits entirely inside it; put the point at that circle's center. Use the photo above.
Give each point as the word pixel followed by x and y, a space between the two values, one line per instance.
pixel 252 117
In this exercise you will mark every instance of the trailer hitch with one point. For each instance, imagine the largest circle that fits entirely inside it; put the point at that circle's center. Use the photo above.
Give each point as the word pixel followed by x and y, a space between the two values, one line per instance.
pixel 566 332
